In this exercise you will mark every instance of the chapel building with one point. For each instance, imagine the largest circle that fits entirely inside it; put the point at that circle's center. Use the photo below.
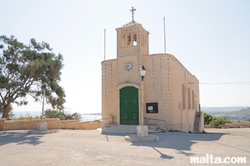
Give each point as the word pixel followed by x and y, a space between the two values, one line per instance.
pixel 168 96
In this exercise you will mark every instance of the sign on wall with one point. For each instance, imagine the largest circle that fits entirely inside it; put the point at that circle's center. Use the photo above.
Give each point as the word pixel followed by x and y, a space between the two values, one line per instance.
pixel 152 107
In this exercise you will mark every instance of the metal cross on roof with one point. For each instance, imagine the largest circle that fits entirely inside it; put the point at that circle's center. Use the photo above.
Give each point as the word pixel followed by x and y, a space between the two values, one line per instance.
pixel 132 10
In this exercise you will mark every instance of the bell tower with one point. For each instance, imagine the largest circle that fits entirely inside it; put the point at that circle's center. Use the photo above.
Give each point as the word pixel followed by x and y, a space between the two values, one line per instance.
pixel 132 45
pixel 132 39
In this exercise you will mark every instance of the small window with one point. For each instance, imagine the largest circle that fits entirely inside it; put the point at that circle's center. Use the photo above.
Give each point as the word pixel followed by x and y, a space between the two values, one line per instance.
pixel 152 107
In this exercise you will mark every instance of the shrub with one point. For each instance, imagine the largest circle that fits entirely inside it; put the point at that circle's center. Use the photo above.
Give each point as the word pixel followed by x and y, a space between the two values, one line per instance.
pixel 207 119
pixel 97 121
pixel 218 121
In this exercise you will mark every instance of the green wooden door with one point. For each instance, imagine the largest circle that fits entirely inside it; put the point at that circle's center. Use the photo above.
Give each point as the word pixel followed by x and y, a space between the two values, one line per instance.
pixel 129 109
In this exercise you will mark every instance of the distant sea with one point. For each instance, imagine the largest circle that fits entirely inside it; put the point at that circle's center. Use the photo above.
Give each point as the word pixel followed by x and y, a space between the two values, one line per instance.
pixel 90 117
pixel 85 117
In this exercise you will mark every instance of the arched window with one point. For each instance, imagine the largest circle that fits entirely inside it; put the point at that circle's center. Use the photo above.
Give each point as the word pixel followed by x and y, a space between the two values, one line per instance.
pixel 193 99
pixel 183 97
pixel 128 40
pixel 123 40
pixel 134 40
pixel 189 99
pixel 142 40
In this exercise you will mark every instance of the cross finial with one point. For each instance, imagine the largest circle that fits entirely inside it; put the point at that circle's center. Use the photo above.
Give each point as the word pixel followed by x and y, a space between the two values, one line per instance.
pixel 132 10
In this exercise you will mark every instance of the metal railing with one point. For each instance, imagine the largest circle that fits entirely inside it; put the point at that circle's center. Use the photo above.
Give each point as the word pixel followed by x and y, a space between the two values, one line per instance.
pixel 104 119
pixel 158 120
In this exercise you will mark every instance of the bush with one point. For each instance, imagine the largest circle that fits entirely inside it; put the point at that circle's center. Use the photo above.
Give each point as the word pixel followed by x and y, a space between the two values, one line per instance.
pixel 207 119
pixel 97 121
pixel 218 121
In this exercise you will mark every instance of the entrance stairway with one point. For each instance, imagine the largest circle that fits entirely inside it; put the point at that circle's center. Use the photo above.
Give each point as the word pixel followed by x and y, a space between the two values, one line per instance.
pixel 130 129
pixel 197 122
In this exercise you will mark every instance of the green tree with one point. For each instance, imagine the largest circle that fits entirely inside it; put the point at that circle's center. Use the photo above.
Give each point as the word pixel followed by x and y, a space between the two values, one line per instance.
pixel 23 71
pixel 54 114
pixel 207 118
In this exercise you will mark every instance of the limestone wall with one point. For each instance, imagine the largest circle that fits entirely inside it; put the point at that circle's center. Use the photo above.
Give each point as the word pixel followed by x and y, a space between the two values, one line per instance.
pixel 174 88
pixel 109 91
pixel 156 88
pixel 53 123
pixel 167 83
pixel 185 96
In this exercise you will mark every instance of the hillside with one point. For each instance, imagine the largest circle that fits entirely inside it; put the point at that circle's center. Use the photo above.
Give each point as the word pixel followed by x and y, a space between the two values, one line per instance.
pixel 244 111
pixel 221 109
pixel 242 114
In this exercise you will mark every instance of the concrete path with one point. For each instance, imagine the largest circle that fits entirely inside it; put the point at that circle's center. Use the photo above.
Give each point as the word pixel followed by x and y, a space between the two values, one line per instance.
pixel 91 147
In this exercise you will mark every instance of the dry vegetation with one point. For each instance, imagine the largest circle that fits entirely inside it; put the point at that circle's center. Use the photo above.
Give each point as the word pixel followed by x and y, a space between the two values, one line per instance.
pixel 243 124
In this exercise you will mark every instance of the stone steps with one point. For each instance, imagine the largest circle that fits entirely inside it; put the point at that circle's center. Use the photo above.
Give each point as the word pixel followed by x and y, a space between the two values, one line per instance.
pixel 132 129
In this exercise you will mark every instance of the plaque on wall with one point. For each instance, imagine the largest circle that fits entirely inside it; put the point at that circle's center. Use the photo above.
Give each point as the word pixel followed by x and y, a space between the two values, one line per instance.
pixel 152 107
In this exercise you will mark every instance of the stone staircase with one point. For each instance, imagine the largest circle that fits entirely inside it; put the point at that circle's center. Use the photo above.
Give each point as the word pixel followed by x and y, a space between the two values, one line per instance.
pixel 197 122
pixel 130 129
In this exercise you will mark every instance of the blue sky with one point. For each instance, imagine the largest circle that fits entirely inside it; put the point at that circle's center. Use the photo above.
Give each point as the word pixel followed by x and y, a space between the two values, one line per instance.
pixel 210 38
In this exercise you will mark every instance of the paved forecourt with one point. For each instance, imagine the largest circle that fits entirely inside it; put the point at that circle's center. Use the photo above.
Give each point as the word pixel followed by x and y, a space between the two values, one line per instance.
pixel 91 147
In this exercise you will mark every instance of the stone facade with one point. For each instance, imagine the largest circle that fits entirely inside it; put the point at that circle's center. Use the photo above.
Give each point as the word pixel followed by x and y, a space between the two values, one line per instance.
pixel 168 94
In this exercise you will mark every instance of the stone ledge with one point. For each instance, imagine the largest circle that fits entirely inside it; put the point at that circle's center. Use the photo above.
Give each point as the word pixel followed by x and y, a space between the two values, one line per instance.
pixel 135 138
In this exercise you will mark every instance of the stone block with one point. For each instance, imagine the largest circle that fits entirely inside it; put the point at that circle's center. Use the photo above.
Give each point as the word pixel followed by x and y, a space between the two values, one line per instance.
pixel 42 126
pixel 2 124
pixel 142 131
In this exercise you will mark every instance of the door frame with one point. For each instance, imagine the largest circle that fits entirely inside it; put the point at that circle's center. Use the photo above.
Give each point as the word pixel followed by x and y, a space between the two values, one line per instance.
pixel 119 87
